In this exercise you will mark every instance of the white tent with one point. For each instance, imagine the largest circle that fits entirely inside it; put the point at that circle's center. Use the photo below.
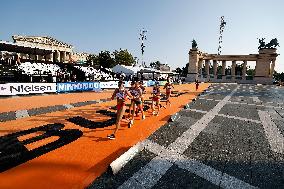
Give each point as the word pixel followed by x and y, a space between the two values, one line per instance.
pixel 127 70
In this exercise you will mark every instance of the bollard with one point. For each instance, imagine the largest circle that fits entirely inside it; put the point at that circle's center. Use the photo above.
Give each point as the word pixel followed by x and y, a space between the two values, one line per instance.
pixel 174 117
pixel 186 106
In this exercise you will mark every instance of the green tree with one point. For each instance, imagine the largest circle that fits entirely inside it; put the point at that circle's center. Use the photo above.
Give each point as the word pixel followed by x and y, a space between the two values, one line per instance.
pixel 178 70
pixel 278 76
pixel 185 70
pixel 105 59
pixel 155 65
pixel 93 59
pixel 250 72
pixel 123 57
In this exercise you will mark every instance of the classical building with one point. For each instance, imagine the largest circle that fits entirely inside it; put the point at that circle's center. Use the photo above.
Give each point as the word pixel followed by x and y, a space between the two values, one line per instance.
pixel 200 62
pixel 164 67
pixel 40 49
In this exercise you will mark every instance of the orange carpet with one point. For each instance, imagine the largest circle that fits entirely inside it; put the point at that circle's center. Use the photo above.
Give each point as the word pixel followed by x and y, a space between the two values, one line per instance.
pixel 78 163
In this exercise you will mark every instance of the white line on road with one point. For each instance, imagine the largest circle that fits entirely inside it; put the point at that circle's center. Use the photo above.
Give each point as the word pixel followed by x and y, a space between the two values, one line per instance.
pixel 273 135
pixel 22 114
pixel 172 154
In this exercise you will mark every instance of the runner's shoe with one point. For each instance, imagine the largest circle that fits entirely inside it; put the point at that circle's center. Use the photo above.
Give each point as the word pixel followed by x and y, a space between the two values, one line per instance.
pixel 143 117
pixel 111 137
pixel 130 123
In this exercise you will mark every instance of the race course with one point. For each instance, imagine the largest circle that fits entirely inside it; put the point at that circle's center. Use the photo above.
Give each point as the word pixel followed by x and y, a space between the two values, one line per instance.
pixel 59 141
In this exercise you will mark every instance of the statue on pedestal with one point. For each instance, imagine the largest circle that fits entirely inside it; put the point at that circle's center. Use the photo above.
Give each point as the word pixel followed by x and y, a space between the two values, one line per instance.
pixel 194 44
pixel 272 44
pixel 261 43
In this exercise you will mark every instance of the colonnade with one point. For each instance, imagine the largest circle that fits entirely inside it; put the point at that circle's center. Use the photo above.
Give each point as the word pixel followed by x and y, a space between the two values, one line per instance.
pixel 51 56
pixel 264 66
pixel 207 63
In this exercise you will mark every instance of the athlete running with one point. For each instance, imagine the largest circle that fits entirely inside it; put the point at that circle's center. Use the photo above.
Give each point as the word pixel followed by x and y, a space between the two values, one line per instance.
pixel 196 84
pixel 121 95
pixel 168 86
pixel 132 92
pixel 156 98
pixel 137 94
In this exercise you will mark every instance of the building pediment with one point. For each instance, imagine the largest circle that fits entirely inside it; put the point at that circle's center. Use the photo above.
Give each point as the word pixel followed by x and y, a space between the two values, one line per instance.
pixel 43 40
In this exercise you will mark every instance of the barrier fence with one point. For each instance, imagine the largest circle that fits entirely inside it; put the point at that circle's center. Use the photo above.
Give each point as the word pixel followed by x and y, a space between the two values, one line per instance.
pixel 10 89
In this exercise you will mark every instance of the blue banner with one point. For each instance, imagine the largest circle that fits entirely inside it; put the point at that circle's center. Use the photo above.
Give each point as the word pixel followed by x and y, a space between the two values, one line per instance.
pixel 78 86
pixel 152 83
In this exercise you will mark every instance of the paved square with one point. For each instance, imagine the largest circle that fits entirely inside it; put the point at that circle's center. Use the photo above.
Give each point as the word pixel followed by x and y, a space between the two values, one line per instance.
pixel 231 137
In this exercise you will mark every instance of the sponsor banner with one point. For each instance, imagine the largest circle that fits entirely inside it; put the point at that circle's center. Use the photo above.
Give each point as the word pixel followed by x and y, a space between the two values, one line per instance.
pixel 114 84
pixel 26 88
pixel 109 85
pixel 162 83
pixel 152 83
pixel 78 86
pixel 128 84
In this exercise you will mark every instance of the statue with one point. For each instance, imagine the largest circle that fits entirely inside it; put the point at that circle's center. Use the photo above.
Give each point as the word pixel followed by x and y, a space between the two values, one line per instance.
pixel 272 44
pixel 261 43
pixel 194 44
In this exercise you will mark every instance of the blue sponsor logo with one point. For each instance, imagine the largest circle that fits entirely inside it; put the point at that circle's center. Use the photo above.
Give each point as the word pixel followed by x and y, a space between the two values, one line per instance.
pixel 150 83
pixel 78 86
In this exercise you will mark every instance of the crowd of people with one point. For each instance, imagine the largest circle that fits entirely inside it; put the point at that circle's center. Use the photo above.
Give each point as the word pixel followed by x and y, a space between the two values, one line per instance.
pixel 55 73
pixel 95 74
pixel 135 94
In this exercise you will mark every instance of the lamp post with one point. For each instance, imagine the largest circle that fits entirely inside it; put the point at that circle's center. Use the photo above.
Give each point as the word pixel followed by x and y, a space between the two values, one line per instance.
pixel 142 39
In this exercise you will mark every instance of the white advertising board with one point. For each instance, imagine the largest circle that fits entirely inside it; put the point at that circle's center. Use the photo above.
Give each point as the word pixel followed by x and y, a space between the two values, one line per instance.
pixel 114 84
pixel 26 88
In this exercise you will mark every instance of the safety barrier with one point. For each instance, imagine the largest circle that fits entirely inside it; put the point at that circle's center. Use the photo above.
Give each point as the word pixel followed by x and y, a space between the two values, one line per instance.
pixel 10 89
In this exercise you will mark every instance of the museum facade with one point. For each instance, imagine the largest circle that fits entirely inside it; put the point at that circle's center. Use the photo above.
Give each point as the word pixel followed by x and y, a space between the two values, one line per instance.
pixel 38 49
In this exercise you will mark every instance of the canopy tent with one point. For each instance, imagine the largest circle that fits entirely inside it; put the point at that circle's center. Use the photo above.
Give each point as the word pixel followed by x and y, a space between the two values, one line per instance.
pixel 127 70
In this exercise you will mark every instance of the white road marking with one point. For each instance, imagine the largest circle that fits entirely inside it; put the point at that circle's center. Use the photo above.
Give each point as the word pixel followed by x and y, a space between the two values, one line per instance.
pixel 68 106
pixel 158 166
pixel 255 99
pixel 173 154
pixel 273 135
pixel 22 114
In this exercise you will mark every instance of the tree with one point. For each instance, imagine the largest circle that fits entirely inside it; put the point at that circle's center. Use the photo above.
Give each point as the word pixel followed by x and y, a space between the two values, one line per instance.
pixel 185 70
pixel 123 57
pixel 105 59
pixel 278 76
pixel 250 72
pixel 93 59
pixel 155 65
pixel 178 70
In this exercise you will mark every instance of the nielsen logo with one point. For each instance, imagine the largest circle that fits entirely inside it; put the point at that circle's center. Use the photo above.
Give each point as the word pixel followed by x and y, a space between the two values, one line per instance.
pixel 32 88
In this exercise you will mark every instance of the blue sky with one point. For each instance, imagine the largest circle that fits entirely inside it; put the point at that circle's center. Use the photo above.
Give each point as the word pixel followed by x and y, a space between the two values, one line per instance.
pixel 95 25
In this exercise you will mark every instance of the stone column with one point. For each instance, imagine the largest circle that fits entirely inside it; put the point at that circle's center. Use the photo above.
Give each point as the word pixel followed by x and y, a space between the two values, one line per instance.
pixel 244 70
pixel 207 63
pixel 49 57
pixel 193 64
pixel 224 69
pixel 63 56
pixel 57 56
pixel 67 57
pixel 40 58
pixel 215 65
pixel 263 69
pixel 200 67
pixel 272 68
pixel 233 70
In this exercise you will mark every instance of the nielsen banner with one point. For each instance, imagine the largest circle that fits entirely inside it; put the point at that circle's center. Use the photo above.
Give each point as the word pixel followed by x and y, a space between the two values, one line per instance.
pixel 78 86
pixel 26 88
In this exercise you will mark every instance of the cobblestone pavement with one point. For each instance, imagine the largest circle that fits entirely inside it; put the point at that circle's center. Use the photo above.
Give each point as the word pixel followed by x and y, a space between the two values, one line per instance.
pixel 232 136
